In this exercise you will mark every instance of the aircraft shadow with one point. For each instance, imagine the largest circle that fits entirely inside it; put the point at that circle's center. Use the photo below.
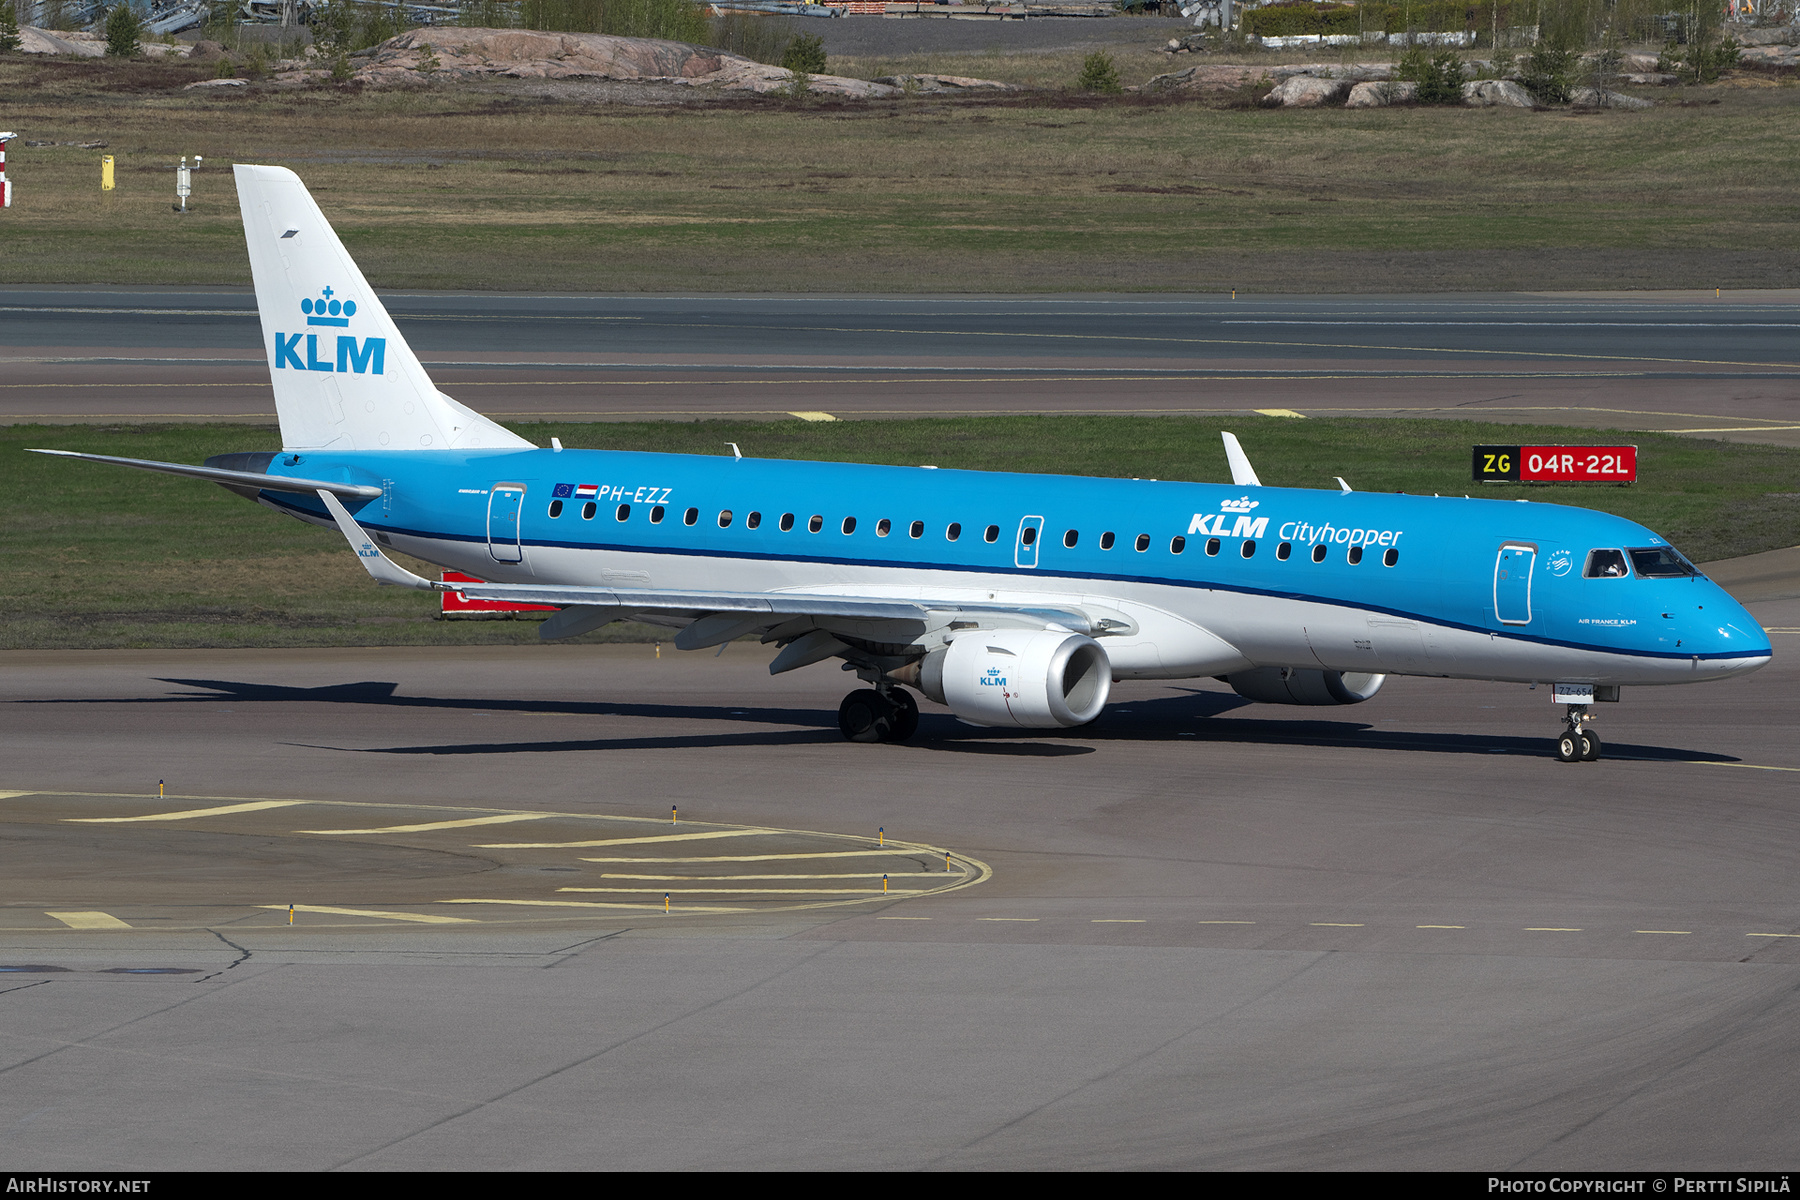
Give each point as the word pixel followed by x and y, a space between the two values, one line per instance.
pixel 1182 716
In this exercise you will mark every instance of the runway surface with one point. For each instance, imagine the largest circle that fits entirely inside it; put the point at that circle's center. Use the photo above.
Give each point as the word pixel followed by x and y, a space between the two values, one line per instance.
pixel 1199 933
pixel 1687 362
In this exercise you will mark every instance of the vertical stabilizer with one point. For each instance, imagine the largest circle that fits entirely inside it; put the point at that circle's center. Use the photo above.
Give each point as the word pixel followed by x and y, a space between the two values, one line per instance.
pixel 344 378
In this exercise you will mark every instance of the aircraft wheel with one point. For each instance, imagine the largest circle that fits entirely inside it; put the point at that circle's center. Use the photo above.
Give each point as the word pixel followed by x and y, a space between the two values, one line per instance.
pixel 1590 746
pixel 906 715
pixel 1568 747
pixel 866 716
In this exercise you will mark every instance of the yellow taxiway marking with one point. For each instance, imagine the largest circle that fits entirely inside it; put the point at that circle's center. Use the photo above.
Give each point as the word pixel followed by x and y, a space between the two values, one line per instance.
pixel 88 920
pixel 1280 412
pixel 903 918
pixel 1746 766
pixel 813 416
pixel 1734 429
pixel 188 814
pixel 1337 924
pixel 595 904
pixel 747 858
pixel 10 795
pixel 1662 931
pixel 421 918
pixel 1792 935
pixel 1225 922
pixel 1440 926
pixel 749 891
pixel 717 878
pixel 1548 929
pixel 665 837
pixel 1006 918
pixel 503 819
pixel 1117 921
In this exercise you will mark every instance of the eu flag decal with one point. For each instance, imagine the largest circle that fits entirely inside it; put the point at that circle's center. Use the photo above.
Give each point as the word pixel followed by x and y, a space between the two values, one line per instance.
pixel 563 491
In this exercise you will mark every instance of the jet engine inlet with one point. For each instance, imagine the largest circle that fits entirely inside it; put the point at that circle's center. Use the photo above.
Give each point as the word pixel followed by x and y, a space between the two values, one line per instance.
pixel 1026 679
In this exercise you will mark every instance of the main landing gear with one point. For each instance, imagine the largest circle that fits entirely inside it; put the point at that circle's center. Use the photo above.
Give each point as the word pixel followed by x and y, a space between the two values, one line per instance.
pixel 1578 743
pixel 885 714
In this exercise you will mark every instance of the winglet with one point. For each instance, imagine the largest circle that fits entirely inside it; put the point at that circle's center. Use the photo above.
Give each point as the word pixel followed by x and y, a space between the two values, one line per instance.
pixel 1242 473
pixel 377 564
pixel 1342 484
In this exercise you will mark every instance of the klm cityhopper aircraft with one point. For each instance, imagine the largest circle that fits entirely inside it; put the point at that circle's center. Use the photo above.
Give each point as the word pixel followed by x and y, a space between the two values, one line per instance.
pixel 1015 600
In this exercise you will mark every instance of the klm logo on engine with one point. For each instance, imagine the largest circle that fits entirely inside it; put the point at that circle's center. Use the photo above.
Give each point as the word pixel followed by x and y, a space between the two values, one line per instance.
pixel 365 357
pixel 1242 525
pixel 995 677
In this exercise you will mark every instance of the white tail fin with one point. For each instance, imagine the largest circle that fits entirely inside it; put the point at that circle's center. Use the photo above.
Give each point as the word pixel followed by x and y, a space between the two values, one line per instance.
pixel 344 377
pixel 1242 473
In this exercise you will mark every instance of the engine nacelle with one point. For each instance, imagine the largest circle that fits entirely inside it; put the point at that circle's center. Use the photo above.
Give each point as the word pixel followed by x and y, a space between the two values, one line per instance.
pixel 1027 679
pixel 1304 685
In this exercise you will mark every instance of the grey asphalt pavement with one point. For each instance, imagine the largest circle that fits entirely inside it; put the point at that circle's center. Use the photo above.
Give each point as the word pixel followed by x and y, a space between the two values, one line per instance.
pixel 1199 933
pixel 1690 362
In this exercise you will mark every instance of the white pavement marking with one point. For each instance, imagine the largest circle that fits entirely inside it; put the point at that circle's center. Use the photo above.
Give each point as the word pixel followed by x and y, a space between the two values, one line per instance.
pixel 666 837
pixel 421 918
pixel 188 814
pixel 750 891
pixel 88 920
pixel 503 819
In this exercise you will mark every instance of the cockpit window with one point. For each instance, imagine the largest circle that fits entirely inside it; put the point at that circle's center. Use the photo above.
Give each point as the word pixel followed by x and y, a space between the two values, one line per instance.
pixel 1606 564
pixel 1660 562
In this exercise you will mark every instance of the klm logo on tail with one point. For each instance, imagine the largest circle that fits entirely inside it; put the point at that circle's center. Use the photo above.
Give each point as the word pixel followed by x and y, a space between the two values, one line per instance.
pixel 368 357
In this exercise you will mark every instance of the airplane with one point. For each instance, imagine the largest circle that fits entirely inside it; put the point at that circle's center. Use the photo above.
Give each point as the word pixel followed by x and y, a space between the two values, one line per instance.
pixel 1014 600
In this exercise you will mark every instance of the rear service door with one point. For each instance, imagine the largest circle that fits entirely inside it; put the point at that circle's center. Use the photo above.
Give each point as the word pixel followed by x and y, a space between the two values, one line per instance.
pixel 1513 571
pixel 504 502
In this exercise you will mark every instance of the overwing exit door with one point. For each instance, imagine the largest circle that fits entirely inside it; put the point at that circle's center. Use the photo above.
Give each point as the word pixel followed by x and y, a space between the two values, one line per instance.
pixel 1025 549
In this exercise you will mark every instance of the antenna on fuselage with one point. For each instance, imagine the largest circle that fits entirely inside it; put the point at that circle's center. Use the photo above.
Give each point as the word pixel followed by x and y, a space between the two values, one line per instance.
pixel 1242 473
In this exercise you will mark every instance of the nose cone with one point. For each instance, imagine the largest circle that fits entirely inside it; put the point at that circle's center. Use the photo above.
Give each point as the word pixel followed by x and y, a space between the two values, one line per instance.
pixel 1727 638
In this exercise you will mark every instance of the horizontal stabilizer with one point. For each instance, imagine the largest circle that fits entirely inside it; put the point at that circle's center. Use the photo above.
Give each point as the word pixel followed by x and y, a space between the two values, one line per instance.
pixel 377 564
pixel 272 483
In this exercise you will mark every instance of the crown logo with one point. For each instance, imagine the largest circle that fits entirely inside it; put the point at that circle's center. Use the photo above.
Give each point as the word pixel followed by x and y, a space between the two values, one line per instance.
pixel 325 311
pixel 1241 505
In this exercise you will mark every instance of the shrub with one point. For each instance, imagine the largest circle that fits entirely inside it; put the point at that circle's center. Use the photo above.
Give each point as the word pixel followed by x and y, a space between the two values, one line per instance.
pixel 1098 74
pixel 1547 73
pixel 9 28
pixel 1442 81
pixel 805 55
pixel 123 31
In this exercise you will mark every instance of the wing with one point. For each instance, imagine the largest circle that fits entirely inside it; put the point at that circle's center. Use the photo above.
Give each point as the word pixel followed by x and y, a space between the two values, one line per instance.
pixel 870 632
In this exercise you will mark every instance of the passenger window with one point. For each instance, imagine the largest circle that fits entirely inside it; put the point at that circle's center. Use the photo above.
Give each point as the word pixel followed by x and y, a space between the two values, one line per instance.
pixel 916 529
pixel 1319 552
pixel 1605 564
pixel 1249 548
pixel 1177 545
pixel 656 514
pixel 815 523
pixel 1028 535
pixel 787 522
pixel 1212 547
pixel 849 525
pixel 1390 558
pixel 753 521
pixel 882 526
pixel 724 518
pixel 624 513
pixel 1106 540
pixel 991 534
pixel 953 532
pixel 1143 542
pixel 555 509
pixel 1355 555
pixel 690 516
pixel 1070 538
pixel 590 508
pixel 1282 551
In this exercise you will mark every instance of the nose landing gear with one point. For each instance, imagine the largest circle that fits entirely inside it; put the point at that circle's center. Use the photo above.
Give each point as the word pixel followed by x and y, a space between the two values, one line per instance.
pixel 1578 743
pixel 879 714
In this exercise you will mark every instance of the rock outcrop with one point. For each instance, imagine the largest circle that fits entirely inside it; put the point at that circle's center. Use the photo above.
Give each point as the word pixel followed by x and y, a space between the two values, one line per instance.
pixel 1588 97
pixel 1306 91
pixel 1380 95
pixel 1496 93
pixel 471 53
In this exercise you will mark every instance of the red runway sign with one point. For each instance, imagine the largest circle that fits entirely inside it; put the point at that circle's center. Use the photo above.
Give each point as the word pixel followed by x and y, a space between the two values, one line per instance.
pixel 1555 464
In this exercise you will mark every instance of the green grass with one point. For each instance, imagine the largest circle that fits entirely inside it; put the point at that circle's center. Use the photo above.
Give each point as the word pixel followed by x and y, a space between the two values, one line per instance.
pixel 104 557
pixel 1046 191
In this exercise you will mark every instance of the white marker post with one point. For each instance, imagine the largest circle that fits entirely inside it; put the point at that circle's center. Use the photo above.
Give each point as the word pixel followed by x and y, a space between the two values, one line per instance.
pixel 5 183
pixel 184 182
